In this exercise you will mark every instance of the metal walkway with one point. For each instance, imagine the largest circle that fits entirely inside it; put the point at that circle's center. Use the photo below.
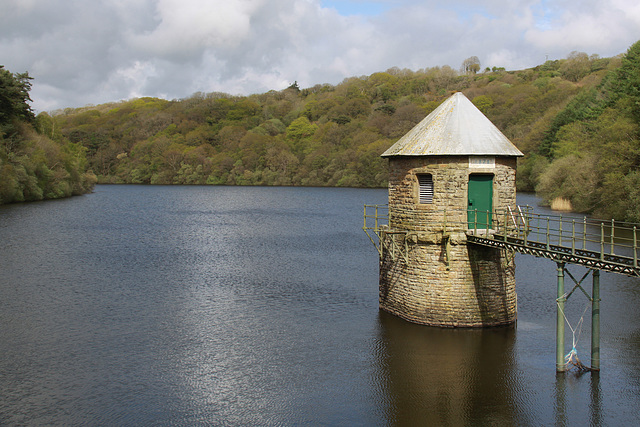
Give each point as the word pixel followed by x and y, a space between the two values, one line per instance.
pixel 597 244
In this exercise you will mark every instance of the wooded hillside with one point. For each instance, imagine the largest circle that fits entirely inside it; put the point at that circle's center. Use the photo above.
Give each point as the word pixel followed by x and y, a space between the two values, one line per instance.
pixel 33 166
pixel 577 120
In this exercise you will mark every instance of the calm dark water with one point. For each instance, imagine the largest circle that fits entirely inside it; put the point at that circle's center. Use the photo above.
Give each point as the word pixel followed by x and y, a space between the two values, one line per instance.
pixel 258 306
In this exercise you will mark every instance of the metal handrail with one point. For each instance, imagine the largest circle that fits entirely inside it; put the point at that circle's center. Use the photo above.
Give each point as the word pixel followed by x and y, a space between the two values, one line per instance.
pixel 601 238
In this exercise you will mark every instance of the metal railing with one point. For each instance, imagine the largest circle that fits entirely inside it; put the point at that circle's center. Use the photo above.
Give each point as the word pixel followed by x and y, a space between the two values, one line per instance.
pixel 609 245
pixel 376 222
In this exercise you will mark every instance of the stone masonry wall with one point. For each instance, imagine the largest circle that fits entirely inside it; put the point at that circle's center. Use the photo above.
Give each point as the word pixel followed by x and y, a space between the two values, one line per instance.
pixel 474 286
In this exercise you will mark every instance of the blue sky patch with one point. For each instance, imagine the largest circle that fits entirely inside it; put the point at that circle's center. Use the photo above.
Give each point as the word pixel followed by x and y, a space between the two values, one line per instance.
pixel 349 8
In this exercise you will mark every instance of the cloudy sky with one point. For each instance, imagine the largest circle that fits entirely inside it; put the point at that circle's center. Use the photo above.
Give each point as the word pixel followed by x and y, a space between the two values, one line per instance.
pixel 93 51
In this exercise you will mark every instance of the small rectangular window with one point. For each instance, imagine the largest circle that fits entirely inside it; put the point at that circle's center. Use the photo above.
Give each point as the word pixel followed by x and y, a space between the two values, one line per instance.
pixel 425 184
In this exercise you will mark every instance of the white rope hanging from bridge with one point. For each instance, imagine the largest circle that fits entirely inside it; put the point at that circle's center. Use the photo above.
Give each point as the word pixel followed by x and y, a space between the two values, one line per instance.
pixel 572 356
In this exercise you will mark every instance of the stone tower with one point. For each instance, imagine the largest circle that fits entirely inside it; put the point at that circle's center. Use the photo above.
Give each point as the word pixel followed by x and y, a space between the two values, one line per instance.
pixel 448 176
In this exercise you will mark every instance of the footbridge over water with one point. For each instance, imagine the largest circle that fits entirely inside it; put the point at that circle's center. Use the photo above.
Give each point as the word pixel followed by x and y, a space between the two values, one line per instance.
pixel 597 244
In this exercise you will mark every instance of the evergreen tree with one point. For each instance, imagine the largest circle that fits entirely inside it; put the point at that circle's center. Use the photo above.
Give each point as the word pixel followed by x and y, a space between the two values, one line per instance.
pixel 14 100
pixel 627 82
pixel 32 166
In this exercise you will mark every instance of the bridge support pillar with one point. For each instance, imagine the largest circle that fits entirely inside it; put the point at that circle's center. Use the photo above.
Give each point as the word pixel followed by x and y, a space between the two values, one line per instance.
pixel 561 365
pixel 595 322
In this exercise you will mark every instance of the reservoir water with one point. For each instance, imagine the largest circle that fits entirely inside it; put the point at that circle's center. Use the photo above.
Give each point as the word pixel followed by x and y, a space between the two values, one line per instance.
pixel 154 305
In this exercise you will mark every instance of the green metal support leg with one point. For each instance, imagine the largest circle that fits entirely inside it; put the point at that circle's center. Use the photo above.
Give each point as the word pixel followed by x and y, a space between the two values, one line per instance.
pixel 595 322
pixel 561 366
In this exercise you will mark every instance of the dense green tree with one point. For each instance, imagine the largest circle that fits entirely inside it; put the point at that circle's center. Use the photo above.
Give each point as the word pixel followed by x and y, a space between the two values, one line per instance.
pixel 627 80
pixel 14 100
pixel 299 134
pixel 483 102
pixel 35 166
pixel 576 67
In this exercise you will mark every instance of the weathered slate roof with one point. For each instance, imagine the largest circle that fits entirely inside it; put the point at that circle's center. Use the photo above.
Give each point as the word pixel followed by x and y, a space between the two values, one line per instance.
pixel 456 127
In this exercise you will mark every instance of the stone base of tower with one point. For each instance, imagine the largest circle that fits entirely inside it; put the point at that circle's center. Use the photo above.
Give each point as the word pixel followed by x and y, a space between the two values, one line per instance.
pixel 475 287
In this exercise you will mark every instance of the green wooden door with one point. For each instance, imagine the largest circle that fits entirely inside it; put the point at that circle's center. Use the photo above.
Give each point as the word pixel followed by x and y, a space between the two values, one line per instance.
pixel 480 201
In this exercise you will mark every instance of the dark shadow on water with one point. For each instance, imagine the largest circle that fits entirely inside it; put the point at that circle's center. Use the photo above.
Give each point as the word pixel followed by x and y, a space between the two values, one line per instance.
pixel 435 376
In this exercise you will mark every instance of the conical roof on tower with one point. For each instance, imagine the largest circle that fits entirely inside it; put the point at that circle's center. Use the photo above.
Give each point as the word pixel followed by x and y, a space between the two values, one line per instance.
pixel 456 127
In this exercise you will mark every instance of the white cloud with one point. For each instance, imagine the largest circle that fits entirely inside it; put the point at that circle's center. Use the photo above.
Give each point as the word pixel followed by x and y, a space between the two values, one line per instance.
pixel 605 27
pixel 83 52
pixel 187 27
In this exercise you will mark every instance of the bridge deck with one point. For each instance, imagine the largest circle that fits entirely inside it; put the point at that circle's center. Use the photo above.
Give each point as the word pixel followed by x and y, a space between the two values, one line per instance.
pixel 591 259
pixel 597 244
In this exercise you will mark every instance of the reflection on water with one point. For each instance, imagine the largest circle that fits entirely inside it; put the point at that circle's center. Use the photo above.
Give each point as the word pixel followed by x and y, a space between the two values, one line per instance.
pixel 565 383
pixel 258 306
pixel 448 376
